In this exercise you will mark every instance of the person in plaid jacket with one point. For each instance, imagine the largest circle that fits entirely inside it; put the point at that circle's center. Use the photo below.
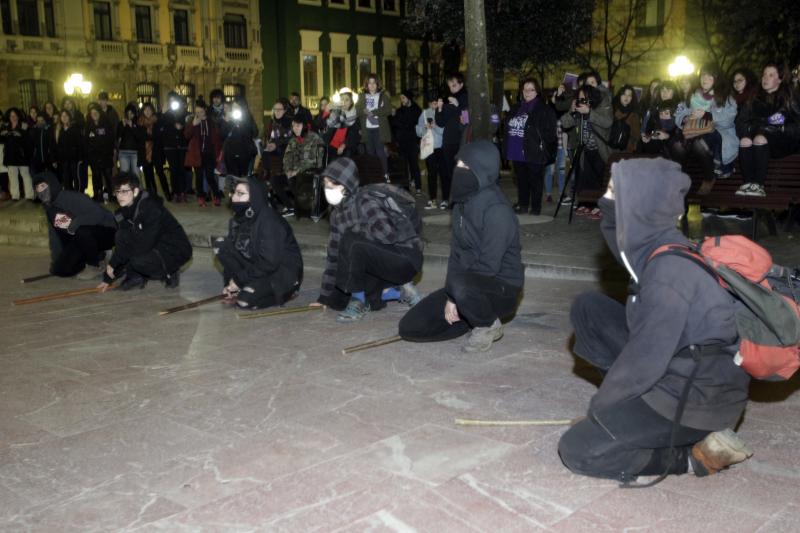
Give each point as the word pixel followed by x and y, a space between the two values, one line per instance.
pixel 375 249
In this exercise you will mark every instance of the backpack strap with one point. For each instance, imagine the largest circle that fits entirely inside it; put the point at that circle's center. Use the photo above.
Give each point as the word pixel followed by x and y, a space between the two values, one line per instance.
pixel 688 252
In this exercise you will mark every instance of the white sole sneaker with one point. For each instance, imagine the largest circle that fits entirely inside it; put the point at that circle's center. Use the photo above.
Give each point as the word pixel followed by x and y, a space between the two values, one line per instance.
pixel 721 449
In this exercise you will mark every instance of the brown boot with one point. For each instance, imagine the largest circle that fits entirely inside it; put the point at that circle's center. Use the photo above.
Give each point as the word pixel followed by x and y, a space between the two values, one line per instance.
pixel 718 451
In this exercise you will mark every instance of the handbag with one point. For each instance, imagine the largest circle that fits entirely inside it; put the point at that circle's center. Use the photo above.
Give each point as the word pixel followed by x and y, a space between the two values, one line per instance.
pixel 695 127
pixel 426 145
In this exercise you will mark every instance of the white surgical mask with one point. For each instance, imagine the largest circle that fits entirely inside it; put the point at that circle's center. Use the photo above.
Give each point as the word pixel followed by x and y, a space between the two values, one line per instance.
pixel 334 196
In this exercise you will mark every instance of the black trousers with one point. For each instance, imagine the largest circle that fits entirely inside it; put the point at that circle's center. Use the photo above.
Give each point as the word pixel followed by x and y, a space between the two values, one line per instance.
pixel 410 153
pixel 237 166
pixel 83 248
pixel 433 163
pixel 449 152
pixel 205 172
pixel 368 266
pixel 530 185
pixel 480 301
pixel 263 291
pixel 100 176
pixel 589 174
pixel 177 172
pixel 149 171
pixel 625 440
pixel 69 175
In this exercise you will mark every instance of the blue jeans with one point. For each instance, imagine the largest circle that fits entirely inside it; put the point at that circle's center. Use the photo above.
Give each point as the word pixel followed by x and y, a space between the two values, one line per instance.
pixel 561 156
pixel 128 162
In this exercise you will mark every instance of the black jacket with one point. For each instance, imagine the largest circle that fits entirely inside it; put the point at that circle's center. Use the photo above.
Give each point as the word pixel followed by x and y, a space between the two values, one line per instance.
pixel 69 145
pixel 147 225
pixel 100 140
pixel 238 139
pixel 449 117
pixel 167 135
pixel 753 116
pixel 17 146
pixel 70 208
pixel 131 138
pixel 540 142
pixel 404 123
pixel 677 304
pixel 43 149
pixel 485 229
pixel 264 240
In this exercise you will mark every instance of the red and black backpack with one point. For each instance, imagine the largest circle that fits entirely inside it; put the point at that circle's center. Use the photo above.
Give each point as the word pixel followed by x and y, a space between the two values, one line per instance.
pixel 769 321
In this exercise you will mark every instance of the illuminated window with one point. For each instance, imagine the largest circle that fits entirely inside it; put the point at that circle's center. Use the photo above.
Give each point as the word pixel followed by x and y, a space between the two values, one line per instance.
pixel 35 92
pixel 147 93
pixel 233 91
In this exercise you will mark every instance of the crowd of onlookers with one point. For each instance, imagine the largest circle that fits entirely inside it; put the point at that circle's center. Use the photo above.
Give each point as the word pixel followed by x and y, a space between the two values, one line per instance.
pixel 717 121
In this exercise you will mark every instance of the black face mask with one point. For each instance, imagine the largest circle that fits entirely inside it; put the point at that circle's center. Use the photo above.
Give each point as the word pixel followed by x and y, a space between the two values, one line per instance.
pixel 241 209
pixel 44 196
pixel 465 184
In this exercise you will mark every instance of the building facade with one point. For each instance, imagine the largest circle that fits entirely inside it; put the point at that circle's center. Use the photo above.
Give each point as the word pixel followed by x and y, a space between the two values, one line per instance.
pixel 315 47
pixel 136 50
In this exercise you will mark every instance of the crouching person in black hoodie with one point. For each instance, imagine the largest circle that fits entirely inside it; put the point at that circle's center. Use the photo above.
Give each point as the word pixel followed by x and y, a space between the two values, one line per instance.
pixel 80 230
pixel 260 257
pixel 484 273
pixel 374 250
pixel 671 389
pixel 150 242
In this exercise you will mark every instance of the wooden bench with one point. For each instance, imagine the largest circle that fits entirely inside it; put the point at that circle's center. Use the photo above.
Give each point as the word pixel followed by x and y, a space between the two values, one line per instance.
pixel 782 187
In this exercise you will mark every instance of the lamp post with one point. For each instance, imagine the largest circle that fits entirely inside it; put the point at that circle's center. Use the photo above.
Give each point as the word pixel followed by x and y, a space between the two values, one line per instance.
pixel 681 66
pixel 76 85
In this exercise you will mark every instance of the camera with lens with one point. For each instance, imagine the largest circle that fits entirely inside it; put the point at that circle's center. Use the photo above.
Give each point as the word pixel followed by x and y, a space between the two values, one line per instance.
pixel 583 101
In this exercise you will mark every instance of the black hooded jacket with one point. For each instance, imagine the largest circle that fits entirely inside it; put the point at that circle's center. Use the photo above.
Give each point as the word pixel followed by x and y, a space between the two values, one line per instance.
pixel 405 124
pixel 68 211
pixel 449 117
pixel 264 240
pixel 677 304
pixel 147 225
pixel 485 229
pixel 69 146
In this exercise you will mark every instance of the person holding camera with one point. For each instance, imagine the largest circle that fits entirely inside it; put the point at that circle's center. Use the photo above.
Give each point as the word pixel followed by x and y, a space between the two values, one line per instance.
pixel 768 127
pixel 717 149
pixel 434 162
pixel 591 116
pixel 531 145
pixel 240 133
pixel 170 141
pixel 660 134
pixel 202 153
pixel 452 114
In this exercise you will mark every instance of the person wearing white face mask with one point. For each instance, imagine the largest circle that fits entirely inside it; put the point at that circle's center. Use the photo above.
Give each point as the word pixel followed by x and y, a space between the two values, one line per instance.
pixel 261 260
pixel 375 249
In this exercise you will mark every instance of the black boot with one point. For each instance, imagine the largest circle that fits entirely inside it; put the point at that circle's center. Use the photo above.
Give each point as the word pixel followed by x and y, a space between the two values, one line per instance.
pixel 173 280
pixel 133 281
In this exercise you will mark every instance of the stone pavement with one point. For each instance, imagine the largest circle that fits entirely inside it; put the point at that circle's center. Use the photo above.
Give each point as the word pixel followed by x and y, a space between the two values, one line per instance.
pixel 115 419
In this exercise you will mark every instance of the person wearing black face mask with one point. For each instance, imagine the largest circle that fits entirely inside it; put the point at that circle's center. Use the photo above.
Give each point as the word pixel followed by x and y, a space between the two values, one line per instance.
pixel 150 242
pixel 485 274
pixel 261 260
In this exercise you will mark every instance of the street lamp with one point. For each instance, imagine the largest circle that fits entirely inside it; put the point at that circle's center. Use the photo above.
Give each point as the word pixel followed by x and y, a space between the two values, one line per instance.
pixel 680 67
pixel 75 84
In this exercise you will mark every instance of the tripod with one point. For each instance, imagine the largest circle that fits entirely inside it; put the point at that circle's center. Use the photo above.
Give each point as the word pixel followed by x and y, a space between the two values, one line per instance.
pixel 575 161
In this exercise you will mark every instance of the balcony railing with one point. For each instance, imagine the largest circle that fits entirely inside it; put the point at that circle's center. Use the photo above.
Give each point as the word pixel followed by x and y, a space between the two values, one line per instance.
pixel 188 56
pixel 113 52
pixel 234 54
pixel 149 54
pixel 31 45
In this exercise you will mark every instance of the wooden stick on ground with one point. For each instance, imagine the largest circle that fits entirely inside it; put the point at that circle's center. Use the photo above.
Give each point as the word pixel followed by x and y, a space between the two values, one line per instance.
pixel 57 296
pixel 35 278
pixel 371 344
pixel 279 312
pixel 191 305
pixel 468 422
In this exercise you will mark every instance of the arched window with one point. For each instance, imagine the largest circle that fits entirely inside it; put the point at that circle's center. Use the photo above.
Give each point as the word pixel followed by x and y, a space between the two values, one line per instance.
pixel 187 91
pixel 232 91
pixel 147 92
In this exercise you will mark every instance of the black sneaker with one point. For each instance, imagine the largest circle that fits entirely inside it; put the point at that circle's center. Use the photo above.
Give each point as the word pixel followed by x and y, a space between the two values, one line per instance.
pixel 133 281
pixel 173 280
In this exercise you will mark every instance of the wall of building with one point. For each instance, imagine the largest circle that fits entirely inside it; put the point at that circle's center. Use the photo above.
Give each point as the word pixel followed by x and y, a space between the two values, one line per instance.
pixel 321 31
pixel 120 64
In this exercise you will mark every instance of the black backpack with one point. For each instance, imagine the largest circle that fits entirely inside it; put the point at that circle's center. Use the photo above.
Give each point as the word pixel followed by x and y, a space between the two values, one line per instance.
pixel 401 204
pixel 620 134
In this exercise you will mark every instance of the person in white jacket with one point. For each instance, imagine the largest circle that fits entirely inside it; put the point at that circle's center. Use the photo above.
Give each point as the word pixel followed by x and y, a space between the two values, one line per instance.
pixel 434 161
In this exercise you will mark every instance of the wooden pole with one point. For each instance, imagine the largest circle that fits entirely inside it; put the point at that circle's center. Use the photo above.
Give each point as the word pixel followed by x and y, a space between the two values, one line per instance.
pixel 371 344
pixel 57 296
pixel 191 305
pixel 279 312
pixel 35 278
pixel 468 422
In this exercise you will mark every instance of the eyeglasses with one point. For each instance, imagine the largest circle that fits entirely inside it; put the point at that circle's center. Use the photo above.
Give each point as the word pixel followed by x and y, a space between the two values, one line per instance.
pixel 240 194
pixel 120 192
pixel 274 109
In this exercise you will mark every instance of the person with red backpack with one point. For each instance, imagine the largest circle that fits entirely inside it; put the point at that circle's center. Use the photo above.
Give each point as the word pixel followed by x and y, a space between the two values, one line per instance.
pixel 671 389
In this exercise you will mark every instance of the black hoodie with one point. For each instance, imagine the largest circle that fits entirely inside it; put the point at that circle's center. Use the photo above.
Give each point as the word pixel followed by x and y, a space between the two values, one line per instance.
pixel 147 225
pixel 264 240
pixel 677 304
pixel 449 117
pixel 485 229
pixel 72 209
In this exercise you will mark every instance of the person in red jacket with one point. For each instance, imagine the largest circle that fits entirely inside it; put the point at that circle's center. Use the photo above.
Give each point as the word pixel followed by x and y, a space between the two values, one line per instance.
pixel 204 148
